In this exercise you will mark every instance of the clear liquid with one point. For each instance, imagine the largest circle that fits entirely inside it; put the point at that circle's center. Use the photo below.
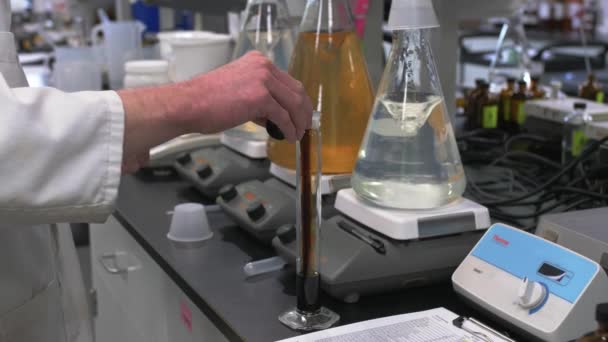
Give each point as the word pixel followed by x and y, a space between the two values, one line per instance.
pixel 410 116
pixel 277 45
pixel 407 168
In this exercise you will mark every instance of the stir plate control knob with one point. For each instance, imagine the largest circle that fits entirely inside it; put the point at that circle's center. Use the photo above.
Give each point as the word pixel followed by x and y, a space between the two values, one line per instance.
pixel 531 294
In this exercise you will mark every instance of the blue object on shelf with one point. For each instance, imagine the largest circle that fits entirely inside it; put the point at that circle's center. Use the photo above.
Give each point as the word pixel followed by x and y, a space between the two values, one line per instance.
pixel 184 20
pixel 147 14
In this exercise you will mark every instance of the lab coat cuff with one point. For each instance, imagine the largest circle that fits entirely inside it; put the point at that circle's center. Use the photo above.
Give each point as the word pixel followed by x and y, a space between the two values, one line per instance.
pixel 116 117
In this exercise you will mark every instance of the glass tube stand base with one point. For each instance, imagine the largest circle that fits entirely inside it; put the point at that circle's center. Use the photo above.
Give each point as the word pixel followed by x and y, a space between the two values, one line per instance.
pixel 309 321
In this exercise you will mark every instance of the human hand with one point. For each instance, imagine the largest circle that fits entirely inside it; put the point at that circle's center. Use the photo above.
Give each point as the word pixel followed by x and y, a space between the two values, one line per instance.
pixel 249 89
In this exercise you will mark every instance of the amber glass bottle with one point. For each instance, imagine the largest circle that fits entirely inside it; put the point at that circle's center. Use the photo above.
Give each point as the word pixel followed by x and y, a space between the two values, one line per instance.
pixel 536 91
pixel 591 90
pixel 601 334
pixel 504 109
pixel 487 108
pixel 518 100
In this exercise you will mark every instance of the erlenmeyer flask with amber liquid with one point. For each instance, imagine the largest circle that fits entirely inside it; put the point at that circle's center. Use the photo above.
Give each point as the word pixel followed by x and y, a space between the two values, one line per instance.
pixel 409 158
pixel 266 28
pixel 330 64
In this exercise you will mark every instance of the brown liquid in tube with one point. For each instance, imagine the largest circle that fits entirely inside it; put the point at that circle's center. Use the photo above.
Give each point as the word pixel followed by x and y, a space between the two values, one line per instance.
pixel 308 282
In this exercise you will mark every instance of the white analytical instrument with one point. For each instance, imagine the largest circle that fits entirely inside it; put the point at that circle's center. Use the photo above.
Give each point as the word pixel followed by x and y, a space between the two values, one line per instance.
pixel 543 290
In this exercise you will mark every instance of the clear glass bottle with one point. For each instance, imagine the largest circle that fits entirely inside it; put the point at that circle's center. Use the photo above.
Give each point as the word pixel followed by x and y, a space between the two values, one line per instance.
pixel 601 334
pixel 266 28
pixel 329 62
pixel 409 158
pixel 574 138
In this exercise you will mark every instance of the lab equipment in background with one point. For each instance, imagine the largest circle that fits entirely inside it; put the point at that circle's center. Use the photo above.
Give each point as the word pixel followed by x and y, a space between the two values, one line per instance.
pixel 487 111
pixel 557 109
pixel 189 224
pixel 471 104
pixel 504 111
pixel 76 69
pixel 601 333
pixel 591 90
pixel 542 289
pixel 536 90
pixel 409 158
pixel 556 88
pixel 330 64
pixel 309 314
pixel 573 136
pixel 580 231
pixel 382 248
pixel 146 73
pixel 121 43
pixel 191 53
pixel 518 101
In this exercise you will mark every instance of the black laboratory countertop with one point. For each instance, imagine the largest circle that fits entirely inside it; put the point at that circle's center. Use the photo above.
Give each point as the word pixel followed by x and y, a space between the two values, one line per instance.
pixel 212 275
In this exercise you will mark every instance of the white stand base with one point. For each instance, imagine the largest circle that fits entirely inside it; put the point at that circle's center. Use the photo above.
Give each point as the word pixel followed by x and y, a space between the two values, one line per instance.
pixel 401 224
pixel 253 149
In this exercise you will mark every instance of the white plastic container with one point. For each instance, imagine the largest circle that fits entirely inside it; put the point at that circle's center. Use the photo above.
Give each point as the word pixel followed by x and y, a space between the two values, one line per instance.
pixel 193 53
pixel 76 69
pixel 146 73
pixel 189 224
pixel 122 43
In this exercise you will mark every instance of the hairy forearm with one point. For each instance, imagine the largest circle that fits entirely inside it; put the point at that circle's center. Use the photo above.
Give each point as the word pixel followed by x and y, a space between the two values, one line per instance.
pixel 151 114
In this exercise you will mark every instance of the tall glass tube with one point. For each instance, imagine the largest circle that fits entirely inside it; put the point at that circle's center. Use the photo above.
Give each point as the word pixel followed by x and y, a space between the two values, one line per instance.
pixel 308 313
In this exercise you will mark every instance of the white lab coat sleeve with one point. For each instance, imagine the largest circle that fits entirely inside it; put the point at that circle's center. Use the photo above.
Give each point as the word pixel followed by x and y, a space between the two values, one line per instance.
pixel 60 155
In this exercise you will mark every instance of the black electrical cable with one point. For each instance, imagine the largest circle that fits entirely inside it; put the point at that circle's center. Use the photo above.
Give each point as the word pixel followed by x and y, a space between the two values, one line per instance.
pixel 538 213
pixel 528 155
pixel 533 137
pixel 586 153
pixel 581 192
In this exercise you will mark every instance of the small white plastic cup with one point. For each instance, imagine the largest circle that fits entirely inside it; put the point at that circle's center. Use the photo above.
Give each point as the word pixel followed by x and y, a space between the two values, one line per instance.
pixel 189 224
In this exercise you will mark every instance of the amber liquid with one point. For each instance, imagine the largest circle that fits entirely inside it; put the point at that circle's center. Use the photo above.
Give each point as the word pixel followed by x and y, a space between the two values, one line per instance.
pixel 332 69
pixel 307 282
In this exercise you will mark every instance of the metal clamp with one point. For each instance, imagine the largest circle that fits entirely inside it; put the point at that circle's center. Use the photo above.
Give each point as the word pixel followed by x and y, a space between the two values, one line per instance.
pixel 108 261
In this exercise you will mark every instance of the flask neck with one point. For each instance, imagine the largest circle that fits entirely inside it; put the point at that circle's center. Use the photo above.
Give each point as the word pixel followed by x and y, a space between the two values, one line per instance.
pixel 327 16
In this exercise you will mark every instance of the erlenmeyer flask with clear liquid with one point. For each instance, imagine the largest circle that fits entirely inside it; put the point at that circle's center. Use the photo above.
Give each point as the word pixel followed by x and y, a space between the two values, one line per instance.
pixel 266 28
pixel 409 158
pixel 329 62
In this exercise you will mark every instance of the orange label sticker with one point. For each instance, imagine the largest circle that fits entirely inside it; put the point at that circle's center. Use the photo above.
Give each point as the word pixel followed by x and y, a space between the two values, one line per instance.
pixel 250 196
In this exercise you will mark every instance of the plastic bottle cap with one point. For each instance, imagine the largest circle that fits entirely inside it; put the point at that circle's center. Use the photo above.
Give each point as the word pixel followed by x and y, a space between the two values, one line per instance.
pixel 601 313
pixel 412 14
pixel 580 105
